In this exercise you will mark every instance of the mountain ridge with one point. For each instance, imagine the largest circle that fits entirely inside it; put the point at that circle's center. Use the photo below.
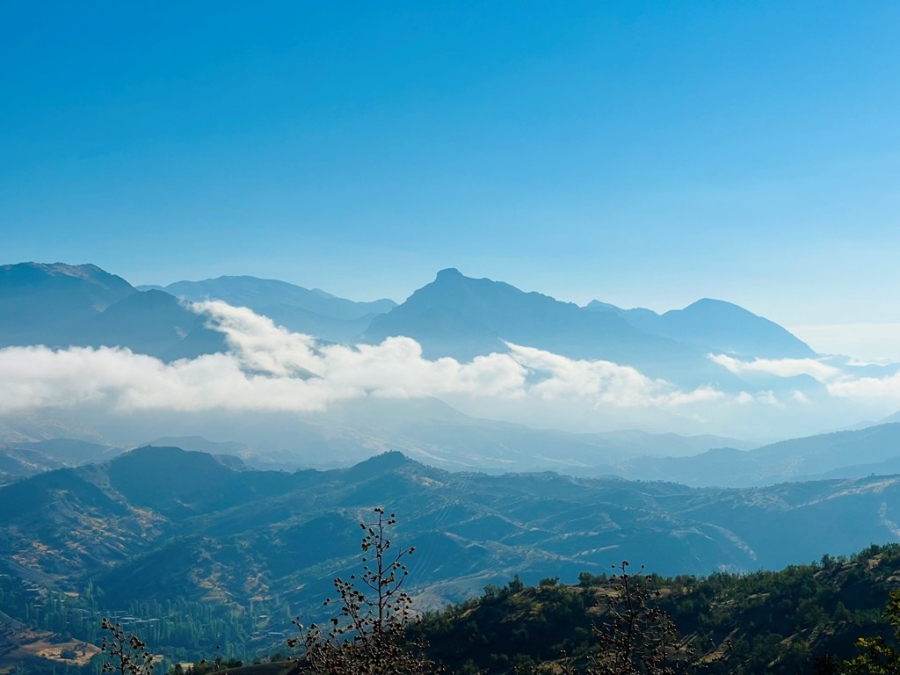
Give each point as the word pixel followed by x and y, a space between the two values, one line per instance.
pixel 257 293
pixel 161 527
pixel 311 311
pixel 461 317
pixel 717 324
pixel 454 315
pixel 634 519
pixel 841 454
pixel 60 306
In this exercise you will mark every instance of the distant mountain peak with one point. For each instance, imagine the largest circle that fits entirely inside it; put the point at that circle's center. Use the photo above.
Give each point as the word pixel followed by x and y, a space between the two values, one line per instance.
pixel 56 268
pixel 52 293
pixel 714 305
pixel 597 305
pixel 379 464
pixel 715 324
pixel 87 271
pixel 387 460
pixel 467 288
pixel 462 317
pixel 296 307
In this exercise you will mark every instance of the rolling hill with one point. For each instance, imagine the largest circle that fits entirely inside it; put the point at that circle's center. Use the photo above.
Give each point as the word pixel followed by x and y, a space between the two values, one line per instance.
pixel 248 533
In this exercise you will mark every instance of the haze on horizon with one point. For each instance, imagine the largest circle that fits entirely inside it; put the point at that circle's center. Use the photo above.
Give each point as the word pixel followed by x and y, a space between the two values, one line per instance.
pixel 636 153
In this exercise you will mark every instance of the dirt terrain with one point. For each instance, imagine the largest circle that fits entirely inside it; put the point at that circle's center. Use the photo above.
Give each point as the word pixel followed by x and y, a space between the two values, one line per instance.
pixel 18 644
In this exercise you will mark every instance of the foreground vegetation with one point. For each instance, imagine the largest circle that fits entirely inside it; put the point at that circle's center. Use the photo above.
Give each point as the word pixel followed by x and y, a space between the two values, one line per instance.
pixel 822 618
pixel 804 619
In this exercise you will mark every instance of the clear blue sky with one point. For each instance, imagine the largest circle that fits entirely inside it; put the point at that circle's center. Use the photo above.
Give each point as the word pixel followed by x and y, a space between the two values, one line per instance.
pixel 640 153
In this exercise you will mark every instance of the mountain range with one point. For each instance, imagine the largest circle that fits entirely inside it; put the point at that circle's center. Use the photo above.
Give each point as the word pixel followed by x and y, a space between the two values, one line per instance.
pixel 436 434
pixel 81 305
pixel 718 326
pixel 463 318
pixel 425 429
pixel 60 305
pixel 873 450
pixel 240 533
pixel 255 519
pixel 298 309
pixel 24 459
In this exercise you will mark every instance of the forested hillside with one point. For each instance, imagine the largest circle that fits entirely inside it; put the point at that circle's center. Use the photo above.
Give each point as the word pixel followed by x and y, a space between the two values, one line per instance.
pixel 227 561
pixel 790 621
pixel 803 619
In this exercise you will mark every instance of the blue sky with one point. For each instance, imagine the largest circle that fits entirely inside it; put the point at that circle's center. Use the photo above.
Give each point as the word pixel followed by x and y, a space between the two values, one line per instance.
pixel 640 153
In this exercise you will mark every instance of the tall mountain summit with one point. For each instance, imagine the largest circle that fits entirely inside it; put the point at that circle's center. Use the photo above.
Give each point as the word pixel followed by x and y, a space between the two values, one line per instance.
pixel 61 305
pixel 462 317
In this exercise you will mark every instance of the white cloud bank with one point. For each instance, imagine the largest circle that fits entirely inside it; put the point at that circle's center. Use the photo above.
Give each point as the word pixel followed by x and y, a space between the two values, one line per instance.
pixel 868 388
pixel 604 382
pixel 838 382
pixel 814 368
pixel 269 368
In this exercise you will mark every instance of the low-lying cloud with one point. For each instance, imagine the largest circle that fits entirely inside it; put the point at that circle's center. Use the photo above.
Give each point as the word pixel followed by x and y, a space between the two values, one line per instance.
pixel 270 368
pixel 604 382
pixel 814 368
pixel 868 388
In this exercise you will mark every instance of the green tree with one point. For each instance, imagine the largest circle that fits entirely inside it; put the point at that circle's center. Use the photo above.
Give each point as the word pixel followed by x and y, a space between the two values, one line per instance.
pixel 878 655
pixel 636 637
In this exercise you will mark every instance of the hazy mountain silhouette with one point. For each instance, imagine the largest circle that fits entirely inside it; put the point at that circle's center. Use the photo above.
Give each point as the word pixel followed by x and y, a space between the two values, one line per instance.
pixel 324 327
pixel 40 302
pixel 23 459
pixel 62 305
pixel 717 325
pixel 842 454
pixel 71 451
pixel 299 309
pixel 199 444
pixel 425 429
pixel 462 317
pixel 46 424
pixel 155 323
pixel 433 432
pixel 19 462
